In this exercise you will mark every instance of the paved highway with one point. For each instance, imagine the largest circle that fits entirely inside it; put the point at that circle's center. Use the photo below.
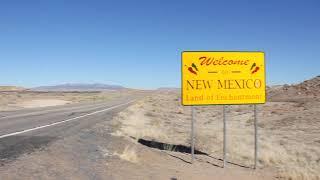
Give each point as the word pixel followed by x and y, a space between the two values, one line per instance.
pixel 21 131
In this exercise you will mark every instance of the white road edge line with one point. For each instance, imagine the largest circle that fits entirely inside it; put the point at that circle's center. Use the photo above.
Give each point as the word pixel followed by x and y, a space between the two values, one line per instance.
pixel 35 113
pixel 60 122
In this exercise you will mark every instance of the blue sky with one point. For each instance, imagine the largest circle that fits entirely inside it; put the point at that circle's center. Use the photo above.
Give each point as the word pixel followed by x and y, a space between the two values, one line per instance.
pixel 138 43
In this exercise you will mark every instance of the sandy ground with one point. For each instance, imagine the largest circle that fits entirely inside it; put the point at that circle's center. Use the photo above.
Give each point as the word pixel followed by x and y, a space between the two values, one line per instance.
pixel 289 134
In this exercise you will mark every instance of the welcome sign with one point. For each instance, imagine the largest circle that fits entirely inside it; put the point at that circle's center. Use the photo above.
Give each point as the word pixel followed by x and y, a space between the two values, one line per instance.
pixel 226 77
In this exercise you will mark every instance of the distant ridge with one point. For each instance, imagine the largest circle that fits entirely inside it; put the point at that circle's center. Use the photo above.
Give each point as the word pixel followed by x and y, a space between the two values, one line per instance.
pixel 168 89
pixel 79 87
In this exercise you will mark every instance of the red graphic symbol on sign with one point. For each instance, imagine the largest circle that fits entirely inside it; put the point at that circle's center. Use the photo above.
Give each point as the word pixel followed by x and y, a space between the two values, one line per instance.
pixel 193 69
pixel 255 68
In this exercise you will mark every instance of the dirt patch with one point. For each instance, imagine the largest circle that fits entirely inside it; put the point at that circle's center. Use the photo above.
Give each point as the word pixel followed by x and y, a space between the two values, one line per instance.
pixel 42 103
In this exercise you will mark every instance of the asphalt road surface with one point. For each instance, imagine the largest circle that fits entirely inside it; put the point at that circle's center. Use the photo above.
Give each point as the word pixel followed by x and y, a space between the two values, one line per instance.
pixel 24 130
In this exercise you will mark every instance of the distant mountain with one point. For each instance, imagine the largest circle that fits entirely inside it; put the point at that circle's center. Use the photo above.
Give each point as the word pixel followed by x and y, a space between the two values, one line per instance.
pixel 79 87
pixel 168 89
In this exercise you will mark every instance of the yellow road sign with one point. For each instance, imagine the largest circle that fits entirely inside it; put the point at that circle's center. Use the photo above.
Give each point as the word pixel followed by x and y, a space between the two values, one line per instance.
pixel 223 77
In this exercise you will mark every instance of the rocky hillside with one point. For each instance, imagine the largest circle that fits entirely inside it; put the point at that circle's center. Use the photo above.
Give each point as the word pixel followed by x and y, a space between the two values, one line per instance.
pixel 308 90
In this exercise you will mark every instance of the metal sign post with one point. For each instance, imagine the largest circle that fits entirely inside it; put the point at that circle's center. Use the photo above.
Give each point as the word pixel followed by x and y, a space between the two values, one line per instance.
pixel 224 136
pixel 255 137
pixel 192 134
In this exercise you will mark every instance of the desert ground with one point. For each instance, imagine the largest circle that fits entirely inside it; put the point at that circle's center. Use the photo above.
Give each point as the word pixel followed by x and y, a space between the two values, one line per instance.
pixel 150 139
pixel 288 127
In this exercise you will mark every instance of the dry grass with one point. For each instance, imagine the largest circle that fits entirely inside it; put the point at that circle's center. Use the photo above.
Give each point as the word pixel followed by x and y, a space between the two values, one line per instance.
pixel 135 123
pixel 289 134
pixel 128 154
